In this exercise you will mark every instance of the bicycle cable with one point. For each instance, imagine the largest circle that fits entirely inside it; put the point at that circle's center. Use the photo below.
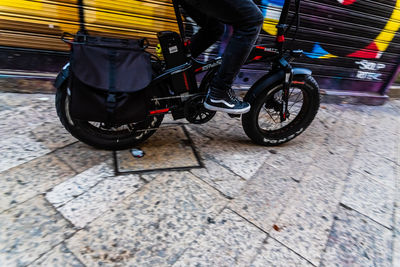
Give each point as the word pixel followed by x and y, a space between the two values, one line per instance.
pixel 297 17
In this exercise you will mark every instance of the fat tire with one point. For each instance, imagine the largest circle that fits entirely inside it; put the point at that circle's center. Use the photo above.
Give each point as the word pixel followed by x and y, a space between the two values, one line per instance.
pixel 81 129
pixel 310 90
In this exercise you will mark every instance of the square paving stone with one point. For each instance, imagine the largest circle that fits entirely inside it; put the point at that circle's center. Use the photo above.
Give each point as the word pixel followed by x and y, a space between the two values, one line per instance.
pixel 264 197
pixel 18 121
pixel 58 256
pixel 305 224
pixel 396 242
pixel 396 250
pixel 53 135
pixel 99 199
pixel 220 177
pixel 375 167
pixel 19 100
pixel 292 165
pixel 370 198
pixel 334 164
pixel 30 230
pixel 355 240
pixel 382 144
pixel 169 148
pixel 81 156
pixel 221 128
pixel 152 227
pixel 229 240
pixel 79 184
pixel 274 253
pixel 233 151
pixel 19 149
pixel 27 180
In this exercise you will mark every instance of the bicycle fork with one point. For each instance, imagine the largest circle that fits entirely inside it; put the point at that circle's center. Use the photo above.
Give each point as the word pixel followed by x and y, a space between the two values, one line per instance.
pixel 284 112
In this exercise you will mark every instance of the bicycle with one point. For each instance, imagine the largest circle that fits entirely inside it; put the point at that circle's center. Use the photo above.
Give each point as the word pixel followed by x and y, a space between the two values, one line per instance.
pixel 284 101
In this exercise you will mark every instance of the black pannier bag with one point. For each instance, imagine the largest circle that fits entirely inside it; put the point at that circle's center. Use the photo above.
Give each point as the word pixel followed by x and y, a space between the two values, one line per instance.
pixel 109 78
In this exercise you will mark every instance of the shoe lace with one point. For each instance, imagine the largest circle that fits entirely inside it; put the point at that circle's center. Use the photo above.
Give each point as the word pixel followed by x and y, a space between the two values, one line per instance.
pixel 232 95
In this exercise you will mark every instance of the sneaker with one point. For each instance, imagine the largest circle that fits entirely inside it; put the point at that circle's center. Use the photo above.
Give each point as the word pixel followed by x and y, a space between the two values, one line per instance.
pixel 225 101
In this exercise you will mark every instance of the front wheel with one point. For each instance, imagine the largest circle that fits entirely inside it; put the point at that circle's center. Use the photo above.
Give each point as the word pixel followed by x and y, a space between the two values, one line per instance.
pixel 263 124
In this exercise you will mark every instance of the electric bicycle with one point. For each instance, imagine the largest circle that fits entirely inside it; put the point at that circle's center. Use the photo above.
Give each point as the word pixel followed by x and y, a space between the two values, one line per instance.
pixel 283 102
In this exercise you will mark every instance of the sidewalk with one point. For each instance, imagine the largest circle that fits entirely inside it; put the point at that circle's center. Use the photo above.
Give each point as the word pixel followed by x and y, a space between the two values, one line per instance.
pixel 330 197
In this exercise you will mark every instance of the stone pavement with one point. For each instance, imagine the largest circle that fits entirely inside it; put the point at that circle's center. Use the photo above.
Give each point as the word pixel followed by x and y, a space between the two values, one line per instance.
pixel 330 197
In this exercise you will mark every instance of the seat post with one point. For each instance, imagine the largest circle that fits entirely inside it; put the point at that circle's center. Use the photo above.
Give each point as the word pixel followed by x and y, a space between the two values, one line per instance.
pixel 179 19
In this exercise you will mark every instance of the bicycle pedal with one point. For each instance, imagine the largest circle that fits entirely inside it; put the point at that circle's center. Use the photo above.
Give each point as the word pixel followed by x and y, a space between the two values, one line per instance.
pixel 234 115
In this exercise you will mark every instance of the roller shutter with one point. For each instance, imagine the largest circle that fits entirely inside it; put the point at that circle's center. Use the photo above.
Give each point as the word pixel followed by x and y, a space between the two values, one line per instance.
pixel 351 45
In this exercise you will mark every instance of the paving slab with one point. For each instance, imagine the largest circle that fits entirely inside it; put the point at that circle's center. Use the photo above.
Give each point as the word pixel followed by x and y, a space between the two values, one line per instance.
pixel 370 198
pixel 381 135
pixel 292 165
pixel 169 148
pixel 274 253
pixel 229 147
pixel 396 217
pixel 264 197
pixel 375 167
pixel 81 156
pixel 20 120
pixel 99 199
pixel 325 198
pixel 304 225
pixel 18 149
pixel 396 250
pixel 59 256
pixel 53 135
pixel 30 230
pixel 229 240
pixel 220 177
pixel 355 240
pixel 32 178
pixel 153 226
pixel 17 100
pixel 79 184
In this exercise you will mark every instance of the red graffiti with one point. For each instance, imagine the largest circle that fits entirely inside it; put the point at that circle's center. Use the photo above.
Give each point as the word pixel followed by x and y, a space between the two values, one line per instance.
pixel 371 51
pixel 346 2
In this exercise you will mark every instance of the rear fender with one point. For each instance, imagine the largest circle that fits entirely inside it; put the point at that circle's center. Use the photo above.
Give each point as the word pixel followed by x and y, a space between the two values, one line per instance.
pixel 268 80
pixel 62 76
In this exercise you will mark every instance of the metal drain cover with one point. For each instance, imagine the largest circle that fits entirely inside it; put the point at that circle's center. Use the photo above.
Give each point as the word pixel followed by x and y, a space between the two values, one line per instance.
pixel 168 149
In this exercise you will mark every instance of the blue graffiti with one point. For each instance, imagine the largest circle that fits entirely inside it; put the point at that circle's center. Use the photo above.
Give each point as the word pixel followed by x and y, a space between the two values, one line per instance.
pixel 317 51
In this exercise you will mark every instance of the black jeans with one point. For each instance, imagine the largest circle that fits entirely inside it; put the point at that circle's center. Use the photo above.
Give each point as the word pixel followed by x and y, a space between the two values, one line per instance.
pixel 211 15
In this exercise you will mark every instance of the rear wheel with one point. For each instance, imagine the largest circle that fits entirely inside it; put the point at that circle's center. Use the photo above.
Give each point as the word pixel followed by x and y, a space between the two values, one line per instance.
pixel 100 135
pixel 263 124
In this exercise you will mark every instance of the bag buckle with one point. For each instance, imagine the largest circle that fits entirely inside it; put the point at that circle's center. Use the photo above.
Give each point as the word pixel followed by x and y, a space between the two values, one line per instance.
pixel 81 37
pixel 111 98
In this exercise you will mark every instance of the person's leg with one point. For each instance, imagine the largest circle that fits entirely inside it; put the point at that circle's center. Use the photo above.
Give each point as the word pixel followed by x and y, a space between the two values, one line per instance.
pixel 210 30
pixel 246 19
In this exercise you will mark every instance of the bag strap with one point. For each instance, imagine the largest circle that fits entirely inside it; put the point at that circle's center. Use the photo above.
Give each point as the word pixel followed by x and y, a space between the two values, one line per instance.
pixel 81 13
pixel 111 101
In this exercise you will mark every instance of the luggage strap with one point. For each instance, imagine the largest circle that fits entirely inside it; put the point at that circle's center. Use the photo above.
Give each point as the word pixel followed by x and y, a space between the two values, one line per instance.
pixel 111 101
pixel 82 28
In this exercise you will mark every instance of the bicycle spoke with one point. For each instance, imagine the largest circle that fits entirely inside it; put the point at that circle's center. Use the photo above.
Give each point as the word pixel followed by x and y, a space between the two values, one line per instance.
pixel 294 102
pixel 271 119
pixel 271 116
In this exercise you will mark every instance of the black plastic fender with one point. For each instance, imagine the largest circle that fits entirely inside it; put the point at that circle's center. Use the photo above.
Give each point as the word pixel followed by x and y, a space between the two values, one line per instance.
pixel 271 78
pixel 62 76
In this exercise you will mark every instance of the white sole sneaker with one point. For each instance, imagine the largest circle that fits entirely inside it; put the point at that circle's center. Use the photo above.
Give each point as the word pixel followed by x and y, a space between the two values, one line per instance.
pixel 227 110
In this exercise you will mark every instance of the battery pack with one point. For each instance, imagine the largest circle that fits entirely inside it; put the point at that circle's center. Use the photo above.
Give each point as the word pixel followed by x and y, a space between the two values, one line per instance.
pixel 174 55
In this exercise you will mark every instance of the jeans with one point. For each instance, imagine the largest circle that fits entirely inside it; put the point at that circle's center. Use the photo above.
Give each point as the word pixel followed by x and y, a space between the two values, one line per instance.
pixel 211 15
